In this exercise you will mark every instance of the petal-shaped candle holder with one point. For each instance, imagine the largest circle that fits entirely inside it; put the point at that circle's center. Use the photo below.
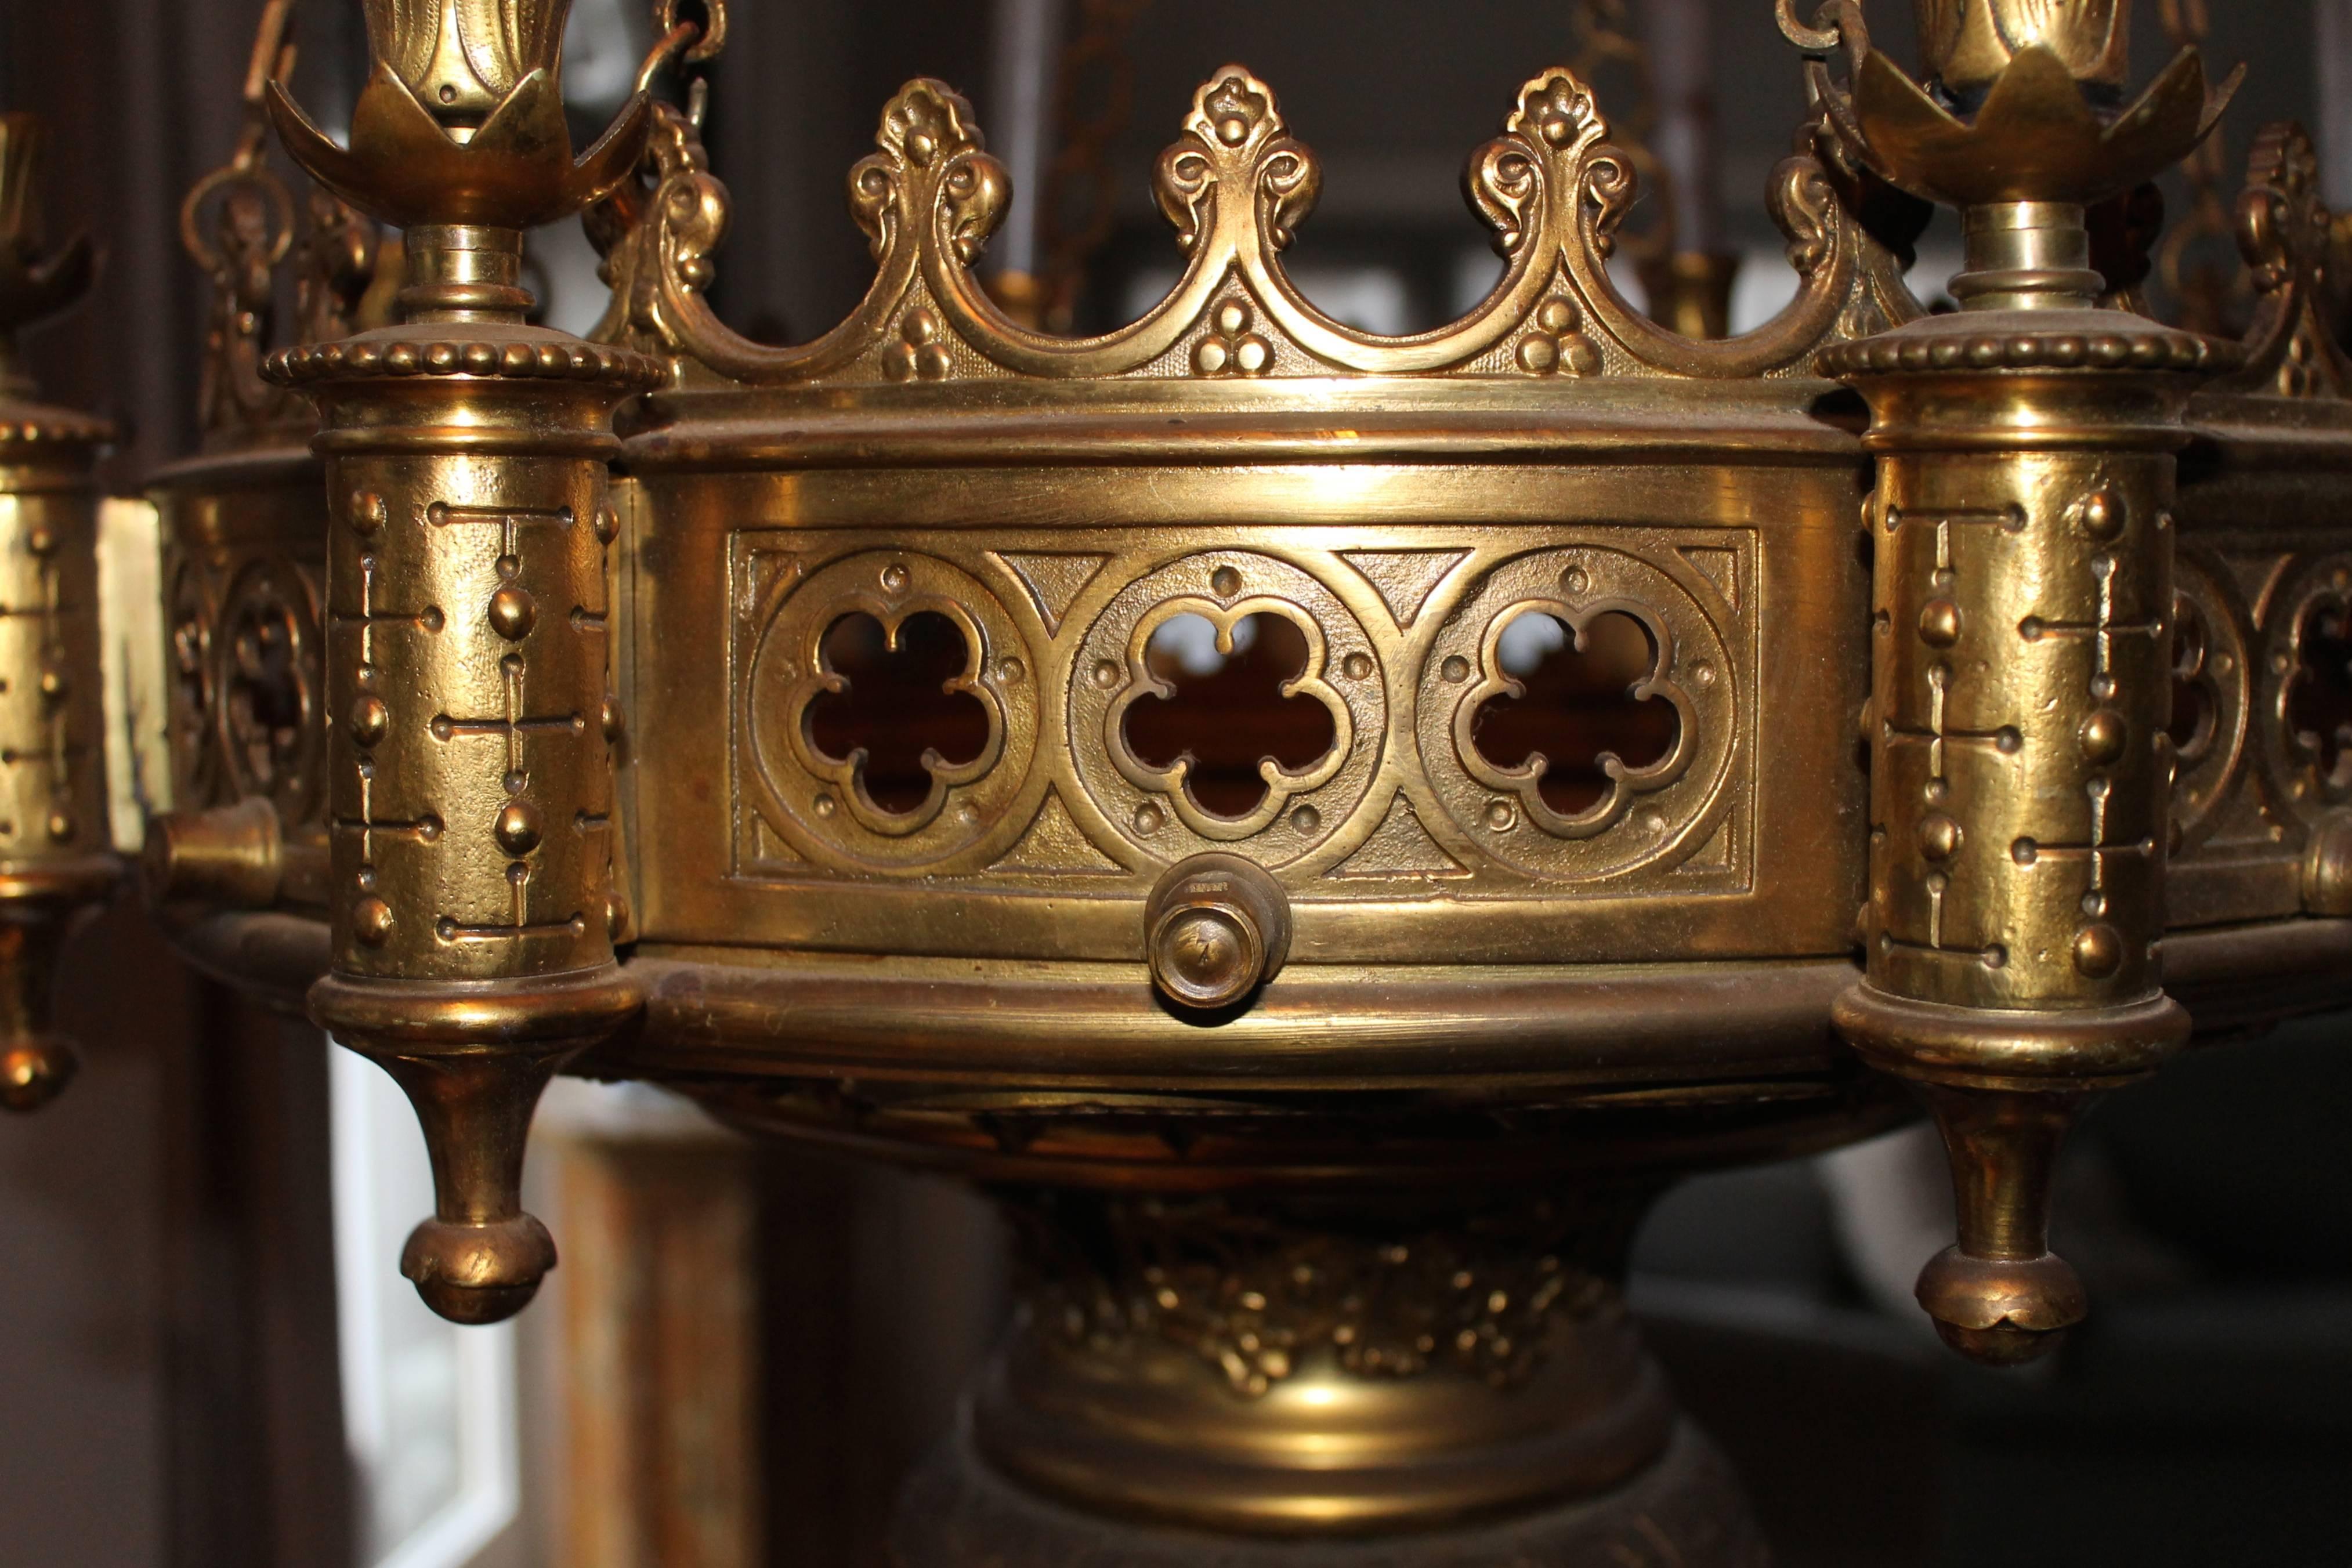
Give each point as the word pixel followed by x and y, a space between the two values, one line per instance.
pixel 2037 137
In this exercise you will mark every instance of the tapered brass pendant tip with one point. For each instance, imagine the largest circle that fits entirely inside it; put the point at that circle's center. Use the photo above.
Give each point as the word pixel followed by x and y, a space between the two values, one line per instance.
pixel 2005 1345
pixel 35 1072
pixel 2002 1311
pixel 478 1273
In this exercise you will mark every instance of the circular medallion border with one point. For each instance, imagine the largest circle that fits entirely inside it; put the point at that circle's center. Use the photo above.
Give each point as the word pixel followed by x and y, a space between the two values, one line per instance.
pixel 2296 776
pixel 1149 805
pixel 1650 811
pixel 975 809
pixel 2220 667
pixel 269 589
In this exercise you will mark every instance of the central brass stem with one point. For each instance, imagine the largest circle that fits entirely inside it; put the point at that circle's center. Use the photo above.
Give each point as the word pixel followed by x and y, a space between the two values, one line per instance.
pixel 464 272
pixel 2027 255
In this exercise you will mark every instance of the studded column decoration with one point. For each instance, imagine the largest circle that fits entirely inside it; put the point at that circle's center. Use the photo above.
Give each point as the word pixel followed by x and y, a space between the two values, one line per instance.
pixel 2023 541
pixel 474 899
pixel 55 857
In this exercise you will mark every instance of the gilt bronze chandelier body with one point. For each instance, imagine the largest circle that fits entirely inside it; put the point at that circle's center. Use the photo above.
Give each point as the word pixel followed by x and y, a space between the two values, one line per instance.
pixel 1973 669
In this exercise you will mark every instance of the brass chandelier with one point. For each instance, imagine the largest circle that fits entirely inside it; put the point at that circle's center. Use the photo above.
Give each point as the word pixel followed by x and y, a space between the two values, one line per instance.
pixel 784 725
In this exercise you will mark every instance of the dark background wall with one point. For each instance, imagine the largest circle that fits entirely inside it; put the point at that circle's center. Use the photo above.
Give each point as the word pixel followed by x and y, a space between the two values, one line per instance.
pixel 1395 96
pixel 145 1220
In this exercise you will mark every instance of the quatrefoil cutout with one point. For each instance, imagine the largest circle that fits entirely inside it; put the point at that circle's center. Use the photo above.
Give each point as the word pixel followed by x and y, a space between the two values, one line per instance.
pixel 1148 724
pixel 893 712
pixel 2317 700
pixel 1580 732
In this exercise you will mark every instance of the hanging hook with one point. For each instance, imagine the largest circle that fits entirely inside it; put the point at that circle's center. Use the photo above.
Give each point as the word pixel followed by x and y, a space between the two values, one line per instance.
pixel 676 23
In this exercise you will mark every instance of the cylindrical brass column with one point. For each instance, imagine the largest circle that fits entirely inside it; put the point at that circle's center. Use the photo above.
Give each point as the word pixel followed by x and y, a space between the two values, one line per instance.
pixel 472 897
pixel 473 902
pixel 2021 768
pixel 2023 541
pixel 55 855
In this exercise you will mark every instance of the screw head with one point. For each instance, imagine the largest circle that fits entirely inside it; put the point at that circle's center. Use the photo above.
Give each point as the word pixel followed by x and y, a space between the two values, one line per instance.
pixel 1215 928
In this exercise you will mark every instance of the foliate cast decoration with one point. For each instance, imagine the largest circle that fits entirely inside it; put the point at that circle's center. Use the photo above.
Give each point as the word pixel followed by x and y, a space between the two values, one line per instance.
pixel 196 761
pixel 1257 1299
pixel 245 660
pixel 890 710
pixel 1652 745
pixel 253 231
pixel 1327 686
pixel 1234 185
pixel 2289 240
pixel 240 223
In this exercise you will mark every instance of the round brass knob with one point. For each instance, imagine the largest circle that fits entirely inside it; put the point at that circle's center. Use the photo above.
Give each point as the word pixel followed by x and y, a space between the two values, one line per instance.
pixel 2328 867
pixel 34 1070
pixel 1215 929
pixel 230 856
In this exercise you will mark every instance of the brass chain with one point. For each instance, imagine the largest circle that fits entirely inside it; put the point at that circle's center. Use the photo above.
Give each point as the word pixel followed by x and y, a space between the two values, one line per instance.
pixel 2206 293
pixel 1607 53
pixel 1093 101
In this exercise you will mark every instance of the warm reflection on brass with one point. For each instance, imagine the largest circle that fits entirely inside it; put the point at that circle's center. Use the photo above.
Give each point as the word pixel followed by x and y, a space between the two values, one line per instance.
pixel 1253 1367
pixel 2024 529
pixel 469 778
pixel 1324 825
pixel 55 858
pixel 237 868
